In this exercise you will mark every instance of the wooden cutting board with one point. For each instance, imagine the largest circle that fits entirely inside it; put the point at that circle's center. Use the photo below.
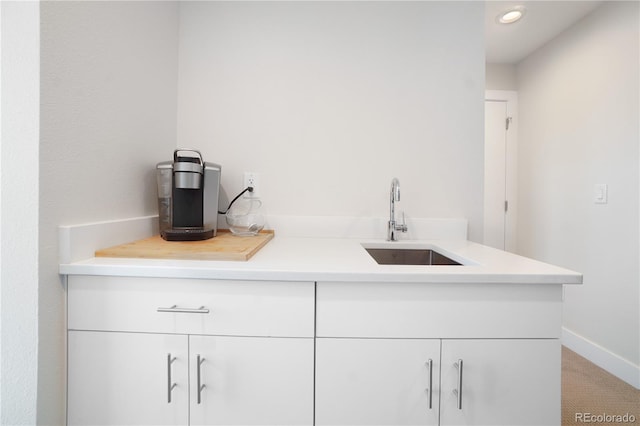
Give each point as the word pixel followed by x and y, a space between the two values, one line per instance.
pixel 224 246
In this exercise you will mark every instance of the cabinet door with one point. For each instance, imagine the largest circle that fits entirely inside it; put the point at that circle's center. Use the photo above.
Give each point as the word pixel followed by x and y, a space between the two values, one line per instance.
pixel 251 380
pixel 377 381
pixel 504 382
pixel 123 378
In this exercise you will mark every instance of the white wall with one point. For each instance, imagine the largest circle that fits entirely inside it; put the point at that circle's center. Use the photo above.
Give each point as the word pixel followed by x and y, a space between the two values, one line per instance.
pixel 328 101
pixel 501 77
pixel 19 211
pixel 579 109
pixel 108 115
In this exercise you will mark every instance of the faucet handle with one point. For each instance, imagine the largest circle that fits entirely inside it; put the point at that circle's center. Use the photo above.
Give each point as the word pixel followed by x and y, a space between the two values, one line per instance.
pixel 402 227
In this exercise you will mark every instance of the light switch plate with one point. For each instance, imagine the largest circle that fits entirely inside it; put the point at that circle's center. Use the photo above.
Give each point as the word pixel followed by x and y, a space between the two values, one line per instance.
pixel 600 193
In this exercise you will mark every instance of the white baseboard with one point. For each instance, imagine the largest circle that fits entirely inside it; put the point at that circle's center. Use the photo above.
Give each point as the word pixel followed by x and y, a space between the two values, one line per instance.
pixel 603 358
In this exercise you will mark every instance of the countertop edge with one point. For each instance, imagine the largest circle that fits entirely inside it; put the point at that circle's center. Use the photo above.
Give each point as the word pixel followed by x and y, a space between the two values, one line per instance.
pixel 155 271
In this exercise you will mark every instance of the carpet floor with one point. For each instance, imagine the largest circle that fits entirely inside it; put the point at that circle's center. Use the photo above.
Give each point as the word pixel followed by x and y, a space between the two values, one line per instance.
pixel 592 395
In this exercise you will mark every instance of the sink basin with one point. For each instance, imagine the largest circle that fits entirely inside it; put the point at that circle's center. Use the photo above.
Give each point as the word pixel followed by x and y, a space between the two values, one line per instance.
pixel 401 256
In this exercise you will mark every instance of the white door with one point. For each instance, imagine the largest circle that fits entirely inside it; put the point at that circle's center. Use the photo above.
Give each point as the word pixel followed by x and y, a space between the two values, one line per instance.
pixel 500 177
pixel 504 382
pixel 123 379
pixel 251 380
pixel 377 381
pixel 495 195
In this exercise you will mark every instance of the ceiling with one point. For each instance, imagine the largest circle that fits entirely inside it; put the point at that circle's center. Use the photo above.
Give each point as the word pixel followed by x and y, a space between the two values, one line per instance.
pixel 543 20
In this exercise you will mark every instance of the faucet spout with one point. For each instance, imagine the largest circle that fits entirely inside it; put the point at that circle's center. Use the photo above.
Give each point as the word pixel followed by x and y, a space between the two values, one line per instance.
pixel 395 196
pixel 395 189
pixel 393 226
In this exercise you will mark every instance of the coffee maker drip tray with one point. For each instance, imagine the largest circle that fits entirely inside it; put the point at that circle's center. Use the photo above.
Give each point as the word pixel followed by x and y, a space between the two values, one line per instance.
pixel 187 234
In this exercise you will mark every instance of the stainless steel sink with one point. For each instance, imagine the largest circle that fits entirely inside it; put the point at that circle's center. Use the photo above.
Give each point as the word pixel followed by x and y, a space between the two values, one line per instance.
pixel 401 256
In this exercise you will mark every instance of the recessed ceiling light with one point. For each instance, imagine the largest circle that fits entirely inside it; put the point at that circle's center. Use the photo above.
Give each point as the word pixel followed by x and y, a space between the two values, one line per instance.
pixel 511 15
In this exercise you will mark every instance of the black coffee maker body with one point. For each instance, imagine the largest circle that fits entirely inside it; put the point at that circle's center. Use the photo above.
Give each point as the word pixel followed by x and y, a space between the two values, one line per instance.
pixel 188 190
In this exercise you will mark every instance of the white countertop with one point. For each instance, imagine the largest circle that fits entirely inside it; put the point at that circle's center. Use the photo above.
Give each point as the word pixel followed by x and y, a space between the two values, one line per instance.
pixel 340 259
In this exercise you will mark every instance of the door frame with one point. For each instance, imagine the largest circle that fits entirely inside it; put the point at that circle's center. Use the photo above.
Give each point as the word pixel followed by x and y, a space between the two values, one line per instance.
pixel 510 98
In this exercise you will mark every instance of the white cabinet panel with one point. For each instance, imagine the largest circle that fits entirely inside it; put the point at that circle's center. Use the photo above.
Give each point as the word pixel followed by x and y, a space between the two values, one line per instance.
pixel 419 310
pixel 122 379
pixel 504 382
pixel 240 308
pixel 252 381
pixel 372 344
pixel 377 382
pixel 119 344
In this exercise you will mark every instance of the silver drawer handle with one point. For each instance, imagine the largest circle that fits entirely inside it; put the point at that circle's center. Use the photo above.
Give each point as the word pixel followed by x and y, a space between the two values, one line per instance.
pixel 174 309
pixel 200 385
pixel 170 383
pixel 458 392
pixel 429 365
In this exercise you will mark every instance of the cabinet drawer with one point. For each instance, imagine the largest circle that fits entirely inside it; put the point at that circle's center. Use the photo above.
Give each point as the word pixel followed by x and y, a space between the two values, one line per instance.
pixel 215 307
pixel 416 310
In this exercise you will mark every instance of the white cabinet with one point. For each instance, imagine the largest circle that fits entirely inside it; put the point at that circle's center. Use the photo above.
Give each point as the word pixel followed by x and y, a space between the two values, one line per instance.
pixel 387 381
pixel 122 378
pixel 164 351
pixel 377 381
pixel 497 363
pixel 215 352
pixel 163 305
pixel 251 381
pixel 504 382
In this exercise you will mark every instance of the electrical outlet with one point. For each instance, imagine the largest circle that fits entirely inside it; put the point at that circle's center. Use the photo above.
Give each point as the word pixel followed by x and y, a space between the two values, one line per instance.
pixel 251 179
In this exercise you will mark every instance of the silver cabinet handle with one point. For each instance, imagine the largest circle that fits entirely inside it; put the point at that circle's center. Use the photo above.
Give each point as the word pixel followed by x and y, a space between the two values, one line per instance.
pixel 174 309
pixel 200 385
pixel 429 365
pixel 458 392
pixel 170 383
